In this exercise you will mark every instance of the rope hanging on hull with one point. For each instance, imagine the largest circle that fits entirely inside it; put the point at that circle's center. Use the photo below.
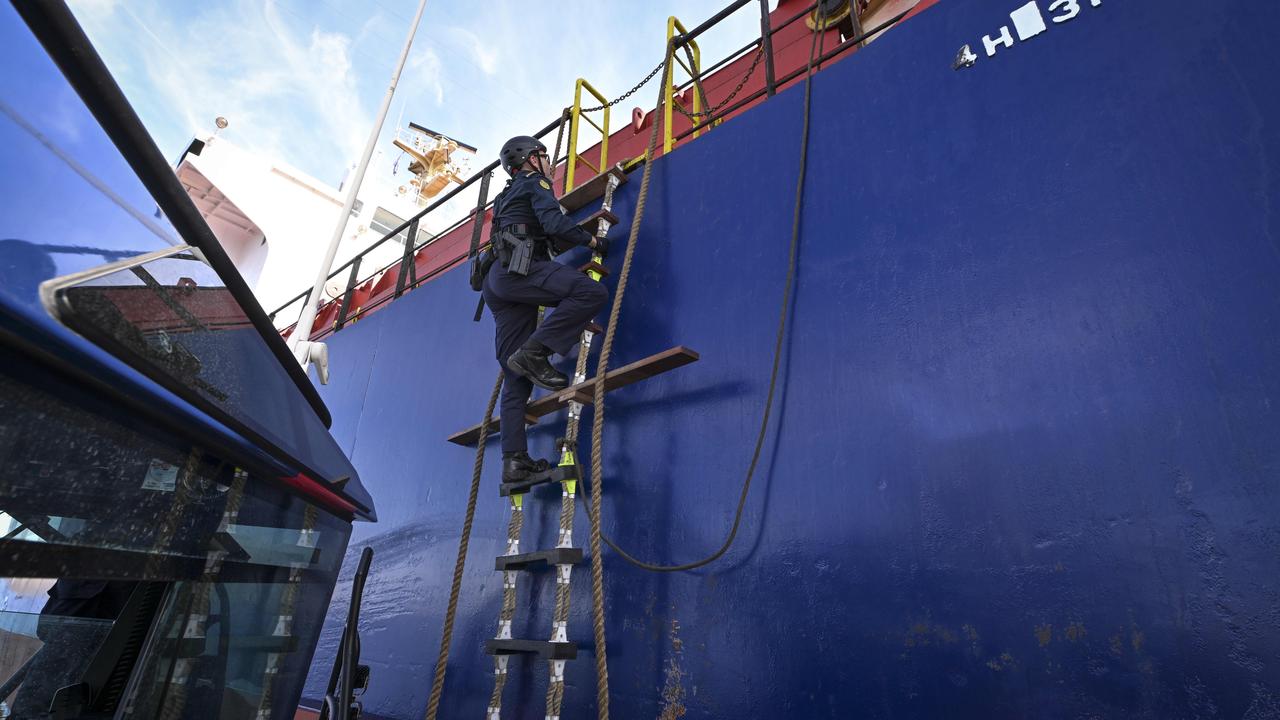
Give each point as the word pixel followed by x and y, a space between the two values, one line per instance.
pixel 597 430
pixel 598 419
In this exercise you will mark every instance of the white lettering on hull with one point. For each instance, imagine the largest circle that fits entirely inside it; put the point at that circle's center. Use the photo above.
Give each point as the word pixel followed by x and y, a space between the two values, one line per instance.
pixel 1028 22
pixel 1004 39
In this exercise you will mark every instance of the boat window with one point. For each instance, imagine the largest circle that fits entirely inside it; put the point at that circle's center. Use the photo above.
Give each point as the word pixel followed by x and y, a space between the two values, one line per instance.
pixel 170 316
pixel 86 491
pixel 71 200
pixel 83 481
pixel 103 502
pixel 230 650
pixel 384 221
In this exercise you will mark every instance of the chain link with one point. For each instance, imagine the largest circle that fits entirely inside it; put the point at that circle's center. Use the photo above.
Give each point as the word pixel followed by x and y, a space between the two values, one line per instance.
pixel 628 93
pixel 694 115
pixel 555 158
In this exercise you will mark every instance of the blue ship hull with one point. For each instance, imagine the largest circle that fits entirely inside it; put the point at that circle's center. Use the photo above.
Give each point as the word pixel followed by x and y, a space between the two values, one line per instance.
pixel 1025 460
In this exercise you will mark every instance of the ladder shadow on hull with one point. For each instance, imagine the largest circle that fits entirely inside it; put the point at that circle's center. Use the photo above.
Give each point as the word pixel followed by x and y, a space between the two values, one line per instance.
pixel 642 406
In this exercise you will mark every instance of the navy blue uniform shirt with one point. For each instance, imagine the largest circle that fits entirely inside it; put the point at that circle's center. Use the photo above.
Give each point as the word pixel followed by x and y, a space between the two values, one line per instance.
pixel 528 199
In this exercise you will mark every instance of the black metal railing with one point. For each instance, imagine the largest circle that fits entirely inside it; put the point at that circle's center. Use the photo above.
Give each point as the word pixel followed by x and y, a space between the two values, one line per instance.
pixel 411 247
pixel 771 83
pixel 407 275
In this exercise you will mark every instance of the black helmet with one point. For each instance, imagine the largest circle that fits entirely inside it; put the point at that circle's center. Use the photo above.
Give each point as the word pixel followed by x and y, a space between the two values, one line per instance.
pixel 517 150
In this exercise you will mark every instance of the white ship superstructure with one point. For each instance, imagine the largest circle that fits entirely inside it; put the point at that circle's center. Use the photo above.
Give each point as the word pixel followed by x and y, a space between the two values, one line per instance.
pixel 273 219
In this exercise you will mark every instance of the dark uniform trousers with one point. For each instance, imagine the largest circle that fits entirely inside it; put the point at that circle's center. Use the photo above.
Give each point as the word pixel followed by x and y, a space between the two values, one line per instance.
pixel 514 300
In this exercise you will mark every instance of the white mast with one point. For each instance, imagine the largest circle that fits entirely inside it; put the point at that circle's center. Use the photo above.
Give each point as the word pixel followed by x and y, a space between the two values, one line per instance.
pixel 303 348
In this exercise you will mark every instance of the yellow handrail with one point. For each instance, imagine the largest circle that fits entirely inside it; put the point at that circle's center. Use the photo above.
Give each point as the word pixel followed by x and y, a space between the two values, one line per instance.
pixel 668 137
pixel 575 115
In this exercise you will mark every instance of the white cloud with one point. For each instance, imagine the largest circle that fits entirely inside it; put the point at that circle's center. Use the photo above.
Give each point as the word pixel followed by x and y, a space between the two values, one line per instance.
pixel 289 89
pixel 95 7
pixel 300 81
pixel 484 55
pixel 422 73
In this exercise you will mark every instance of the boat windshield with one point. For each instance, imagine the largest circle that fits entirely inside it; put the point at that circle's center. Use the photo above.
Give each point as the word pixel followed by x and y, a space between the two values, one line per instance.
pixel 169 315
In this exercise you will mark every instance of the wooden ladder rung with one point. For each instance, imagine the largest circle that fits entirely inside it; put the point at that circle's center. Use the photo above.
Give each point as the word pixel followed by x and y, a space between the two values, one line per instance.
pixel 591 190
pixel 592 223
pixel 664 361
pixel 583 392
pixel 582 396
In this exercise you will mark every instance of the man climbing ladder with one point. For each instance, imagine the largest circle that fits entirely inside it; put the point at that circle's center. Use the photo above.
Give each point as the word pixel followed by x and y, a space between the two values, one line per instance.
pixel 527 218
pixel 593 391
pixel 528 364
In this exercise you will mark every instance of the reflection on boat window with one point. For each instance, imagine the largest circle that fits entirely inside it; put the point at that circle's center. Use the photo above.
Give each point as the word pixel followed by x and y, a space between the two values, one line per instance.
pixel 86 481
pixel 105 502
pixel 169 315
pixel 226 649
pixel 41 653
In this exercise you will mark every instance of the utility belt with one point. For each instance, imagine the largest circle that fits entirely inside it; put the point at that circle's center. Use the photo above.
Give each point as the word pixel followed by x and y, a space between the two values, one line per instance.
pixel 517 248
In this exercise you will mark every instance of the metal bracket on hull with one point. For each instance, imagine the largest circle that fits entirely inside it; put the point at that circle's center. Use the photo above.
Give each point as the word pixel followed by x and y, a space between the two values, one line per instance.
pixel 964 59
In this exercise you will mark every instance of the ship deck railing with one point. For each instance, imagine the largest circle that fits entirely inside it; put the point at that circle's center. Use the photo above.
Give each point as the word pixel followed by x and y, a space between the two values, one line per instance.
pixel 366 291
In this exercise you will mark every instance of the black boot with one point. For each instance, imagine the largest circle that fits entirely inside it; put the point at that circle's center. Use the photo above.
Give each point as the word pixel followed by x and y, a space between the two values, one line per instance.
pixel 518 466
pixel 531 361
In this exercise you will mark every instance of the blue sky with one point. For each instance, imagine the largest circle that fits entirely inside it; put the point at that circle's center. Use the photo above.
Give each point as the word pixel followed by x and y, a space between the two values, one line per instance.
pixel 301 80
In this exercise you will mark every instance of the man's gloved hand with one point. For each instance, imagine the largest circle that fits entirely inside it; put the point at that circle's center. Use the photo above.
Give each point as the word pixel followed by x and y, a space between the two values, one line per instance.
pixel 601 246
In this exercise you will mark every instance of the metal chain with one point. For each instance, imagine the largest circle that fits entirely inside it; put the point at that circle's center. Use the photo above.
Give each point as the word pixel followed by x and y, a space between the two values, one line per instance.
pixel 694 115
pixel 628 93
pixel 555 158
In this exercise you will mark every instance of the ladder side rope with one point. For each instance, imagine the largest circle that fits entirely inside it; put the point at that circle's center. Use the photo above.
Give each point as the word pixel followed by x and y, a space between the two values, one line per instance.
pixel 513 535
pixel 593 506
pixel 568 457
pixel 507 614
pixel 598 419
pixel 446 633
